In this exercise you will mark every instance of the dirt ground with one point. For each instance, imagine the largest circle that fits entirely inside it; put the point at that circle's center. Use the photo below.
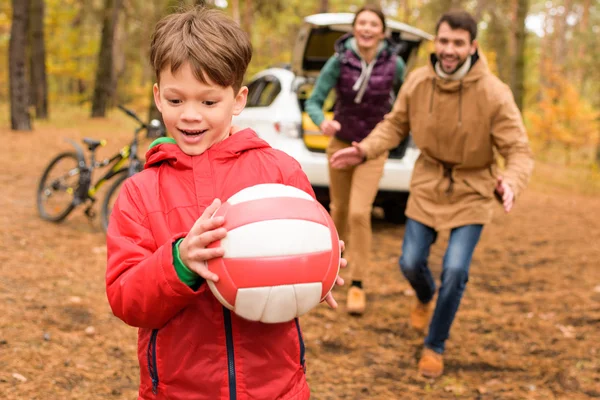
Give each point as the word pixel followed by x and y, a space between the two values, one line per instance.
pixel 528 326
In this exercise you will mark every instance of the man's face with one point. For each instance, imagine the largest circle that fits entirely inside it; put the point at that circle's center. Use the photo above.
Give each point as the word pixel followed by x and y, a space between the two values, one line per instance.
pixel 452 47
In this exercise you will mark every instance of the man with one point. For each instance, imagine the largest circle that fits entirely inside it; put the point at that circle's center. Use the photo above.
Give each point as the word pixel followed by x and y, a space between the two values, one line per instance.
pixel 458 113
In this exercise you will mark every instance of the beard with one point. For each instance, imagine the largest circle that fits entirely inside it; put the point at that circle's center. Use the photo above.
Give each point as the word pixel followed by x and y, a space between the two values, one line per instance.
pixel 460 64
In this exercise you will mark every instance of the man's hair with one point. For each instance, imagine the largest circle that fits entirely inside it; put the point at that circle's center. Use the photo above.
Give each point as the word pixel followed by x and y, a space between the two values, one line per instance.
pixel 214 45
pixel 459 19
pixel 374 9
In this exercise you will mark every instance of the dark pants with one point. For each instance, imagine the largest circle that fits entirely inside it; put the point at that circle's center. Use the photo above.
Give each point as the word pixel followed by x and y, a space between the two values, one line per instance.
pixel 418 239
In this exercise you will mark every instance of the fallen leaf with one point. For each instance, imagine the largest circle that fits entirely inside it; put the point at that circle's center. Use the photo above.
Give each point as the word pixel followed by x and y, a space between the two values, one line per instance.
pixel 567 331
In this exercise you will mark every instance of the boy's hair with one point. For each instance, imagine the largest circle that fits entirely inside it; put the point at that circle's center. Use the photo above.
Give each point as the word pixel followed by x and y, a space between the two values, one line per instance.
pixel 374 9
pixel 459 19
pixel 214 45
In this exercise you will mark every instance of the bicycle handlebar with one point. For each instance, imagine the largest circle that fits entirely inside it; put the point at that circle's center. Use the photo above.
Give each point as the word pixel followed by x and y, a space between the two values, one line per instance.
pixel 131 114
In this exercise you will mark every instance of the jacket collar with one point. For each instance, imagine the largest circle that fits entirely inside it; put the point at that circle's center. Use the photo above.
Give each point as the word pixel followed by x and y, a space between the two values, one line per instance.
pixel 166 150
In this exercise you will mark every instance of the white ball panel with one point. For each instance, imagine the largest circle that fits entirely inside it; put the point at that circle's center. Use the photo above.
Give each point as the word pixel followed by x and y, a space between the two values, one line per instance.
pixel 250 302
pixel 308 295
pixel 284 237
pixel 277 303
pixel 267 190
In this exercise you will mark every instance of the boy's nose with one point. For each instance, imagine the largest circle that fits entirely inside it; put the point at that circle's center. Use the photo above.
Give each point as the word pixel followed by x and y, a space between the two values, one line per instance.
pixel 191 114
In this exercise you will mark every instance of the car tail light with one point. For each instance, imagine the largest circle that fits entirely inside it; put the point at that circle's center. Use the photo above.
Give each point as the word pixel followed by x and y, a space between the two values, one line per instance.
pixel 289 129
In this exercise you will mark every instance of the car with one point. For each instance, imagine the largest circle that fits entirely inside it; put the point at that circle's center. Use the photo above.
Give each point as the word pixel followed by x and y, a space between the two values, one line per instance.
pixel 275 108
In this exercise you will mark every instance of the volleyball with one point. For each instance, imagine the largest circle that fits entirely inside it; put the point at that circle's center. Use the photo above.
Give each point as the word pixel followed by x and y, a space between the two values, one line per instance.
pixel 282 253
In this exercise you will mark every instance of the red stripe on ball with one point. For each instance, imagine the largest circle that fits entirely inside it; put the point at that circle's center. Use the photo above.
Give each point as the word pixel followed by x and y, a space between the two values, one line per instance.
pixel 269 209
pixel 277 271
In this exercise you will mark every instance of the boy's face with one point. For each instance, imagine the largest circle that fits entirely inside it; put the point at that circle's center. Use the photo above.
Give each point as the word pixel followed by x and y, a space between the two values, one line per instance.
pixel 197 115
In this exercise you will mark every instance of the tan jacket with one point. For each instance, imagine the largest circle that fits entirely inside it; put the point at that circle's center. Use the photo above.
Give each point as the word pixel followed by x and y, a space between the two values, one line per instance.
pixel 457 125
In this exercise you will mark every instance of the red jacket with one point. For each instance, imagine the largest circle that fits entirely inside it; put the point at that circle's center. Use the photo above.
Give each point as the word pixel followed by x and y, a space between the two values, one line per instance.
pixel 189 345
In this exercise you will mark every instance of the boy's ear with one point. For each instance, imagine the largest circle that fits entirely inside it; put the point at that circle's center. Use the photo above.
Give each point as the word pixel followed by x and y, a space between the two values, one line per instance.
pixel 156 92
pixel 240 100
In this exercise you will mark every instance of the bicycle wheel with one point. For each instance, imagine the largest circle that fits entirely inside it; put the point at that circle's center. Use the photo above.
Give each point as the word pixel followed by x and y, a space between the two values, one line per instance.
pixel 58 186
pixel 109 200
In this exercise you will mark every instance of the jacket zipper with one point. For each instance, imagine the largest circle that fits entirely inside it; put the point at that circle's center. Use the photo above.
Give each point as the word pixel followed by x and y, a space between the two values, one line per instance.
pixel 302 348
pixel 230 355
pixel 151 355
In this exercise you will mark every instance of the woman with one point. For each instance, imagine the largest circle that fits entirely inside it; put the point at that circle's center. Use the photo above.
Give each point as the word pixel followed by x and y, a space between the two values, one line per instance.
pixel 366 73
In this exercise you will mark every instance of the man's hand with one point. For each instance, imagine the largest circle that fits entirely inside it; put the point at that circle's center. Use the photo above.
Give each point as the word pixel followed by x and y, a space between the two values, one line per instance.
pixel 329 128
pixel 347 157
pixel 506 193
pixel 339 280
pixel 206 230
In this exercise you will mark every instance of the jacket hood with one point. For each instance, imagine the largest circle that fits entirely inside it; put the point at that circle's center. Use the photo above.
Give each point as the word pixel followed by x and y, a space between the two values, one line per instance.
pixel 345 43
pixel 479 69
pixel 167 150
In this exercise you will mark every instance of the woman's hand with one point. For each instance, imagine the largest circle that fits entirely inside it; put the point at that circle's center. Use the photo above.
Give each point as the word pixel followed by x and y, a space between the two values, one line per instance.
pixel 329 128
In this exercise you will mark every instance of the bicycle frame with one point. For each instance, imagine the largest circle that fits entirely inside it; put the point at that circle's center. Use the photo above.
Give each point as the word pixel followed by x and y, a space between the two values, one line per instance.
pixel 119 161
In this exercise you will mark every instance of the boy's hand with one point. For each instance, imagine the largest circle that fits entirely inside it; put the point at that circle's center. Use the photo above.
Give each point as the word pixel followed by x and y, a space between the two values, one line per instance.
pixel 339 281
pixel 206 230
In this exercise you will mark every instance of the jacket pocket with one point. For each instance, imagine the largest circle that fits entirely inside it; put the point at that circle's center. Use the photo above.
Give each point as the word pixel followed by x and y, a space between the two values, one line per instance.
pixel 152 364
pixel 302 347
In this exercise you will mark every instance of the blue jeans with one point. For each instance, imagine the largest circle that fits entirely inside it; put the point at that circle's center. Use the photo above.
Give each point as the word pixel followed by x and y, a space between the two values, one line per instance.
pixel 418 239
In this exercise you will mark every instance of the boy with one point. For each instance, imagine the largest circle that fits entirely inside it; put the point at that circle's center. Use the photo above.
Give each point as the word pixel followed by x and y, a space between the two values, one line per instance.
pixel 189 346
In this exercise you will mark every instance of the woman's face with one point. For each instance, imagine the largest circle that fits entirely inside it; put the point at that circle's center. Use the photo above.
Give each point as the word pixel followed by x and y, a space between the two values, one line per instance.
pixel 368 30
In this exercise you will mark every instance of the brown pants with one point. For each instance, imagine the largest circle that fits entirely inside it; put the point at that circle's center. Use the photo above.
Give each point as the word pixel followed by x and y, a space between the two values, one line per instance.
pixel 352 191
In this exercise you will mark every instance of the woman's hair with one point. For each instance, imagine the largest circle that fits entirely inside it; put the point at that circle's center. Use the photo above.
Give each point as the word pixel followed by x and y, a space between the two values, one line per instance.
pixel 374 9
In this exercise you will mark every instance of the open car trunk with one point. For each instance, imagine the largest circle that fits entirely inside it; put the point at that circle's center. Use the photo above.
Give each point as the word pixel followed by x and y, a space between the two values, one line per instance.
pixel 315 45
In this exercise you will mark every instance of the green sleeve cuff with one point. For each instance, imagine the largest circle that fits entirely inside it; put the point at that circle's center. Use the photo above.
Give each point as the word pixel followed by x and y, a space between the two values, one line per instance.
pixel 186 275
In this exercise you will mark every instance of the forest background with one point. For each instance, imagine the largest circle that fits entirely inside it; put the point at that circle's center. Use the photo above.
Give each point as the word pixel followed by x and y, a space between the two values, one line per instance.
pixel 93 54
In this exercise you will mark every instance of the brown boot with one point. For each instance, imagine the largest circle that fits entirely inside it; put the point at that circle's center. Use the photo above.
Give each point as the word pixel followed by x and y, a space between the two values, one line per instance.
pixel 420 314
pixel 356 301
pixel 431 364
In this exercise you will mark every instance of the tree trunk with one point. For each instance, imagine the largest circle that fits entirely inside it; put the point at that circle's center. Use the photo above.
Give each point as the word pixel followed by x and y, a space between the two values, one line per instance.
pixel 407 11
pixel 248 18
pixel 583 28
pixel 324 6
pixel 104 74
pixel 235 10
pixel 37 65
pixel 497 34
pixel 19 89
pixel 517 83
pixel 153 113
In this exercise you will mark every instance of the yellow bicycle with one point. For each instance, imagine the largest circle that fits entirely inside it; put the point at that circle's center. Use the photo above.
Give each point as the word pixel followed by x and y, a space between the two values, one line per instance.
pixel 67 180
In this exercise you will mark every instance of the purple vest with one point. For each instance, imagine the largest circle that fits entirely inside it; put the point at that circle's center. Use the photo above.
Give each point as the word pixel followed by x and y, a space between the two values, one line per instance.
pixel 359 119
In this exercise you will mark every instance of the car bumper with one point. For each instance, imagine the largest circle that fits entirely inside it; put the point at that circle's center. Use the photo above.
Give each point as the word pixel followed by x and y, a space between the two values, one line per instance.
pixel 396 174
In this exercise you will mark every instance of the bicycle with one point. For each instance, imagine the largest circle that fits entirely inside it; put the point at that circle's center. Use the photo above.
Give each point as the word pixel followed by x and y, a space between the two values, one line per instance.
pixel 73 187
